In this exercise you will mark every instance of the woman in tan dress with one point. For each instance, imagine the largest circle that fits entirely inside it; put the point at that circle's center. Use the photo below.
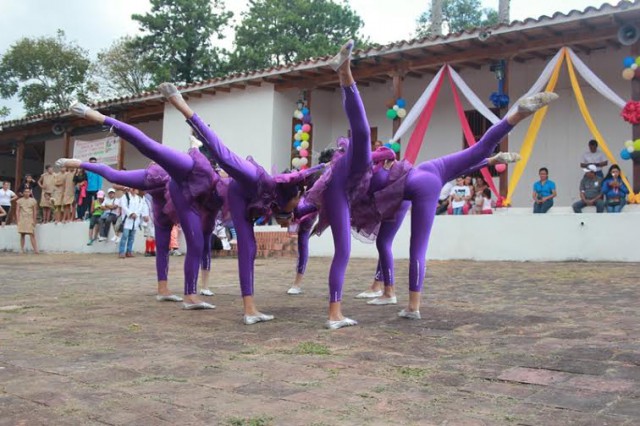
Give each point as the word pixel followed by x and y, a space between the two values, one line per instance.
pixel 56 196
pixel 47 183
pixel 27 208
pixel 68 196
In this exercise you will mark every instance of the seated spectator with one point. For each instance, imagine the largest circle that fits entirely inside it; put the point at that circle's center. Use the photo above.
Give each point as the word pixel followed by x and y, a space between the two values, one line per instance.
pixel 443 200
pixel 109 215
pixel 460 196
pixel 544 191
pixel 95 214
pixel 590 191
pixel 614 190
pixel 6 197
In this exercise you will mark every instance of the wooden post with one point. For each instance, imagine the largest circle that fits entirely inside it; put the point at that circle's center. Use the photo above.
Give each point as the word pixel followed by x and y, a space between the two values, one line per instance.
pixel 307 97
pixel 635 95
pixel 67 144
pixel 398 79
pixel 504 145
pixel 19 164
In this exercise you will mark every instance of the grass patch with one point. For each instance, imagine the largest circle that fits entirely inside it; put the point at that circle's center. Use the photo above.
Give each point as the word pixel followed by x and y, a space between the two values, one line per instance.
pixel 148 379
pixel 412 372
pixel 311 348
pixel 251 421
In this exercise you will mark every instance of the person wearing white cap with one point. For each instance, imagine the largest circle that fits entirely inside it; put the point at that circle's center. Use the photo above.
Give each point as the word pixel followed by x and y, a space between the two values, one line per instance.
pixel 590 191
pixel 109 215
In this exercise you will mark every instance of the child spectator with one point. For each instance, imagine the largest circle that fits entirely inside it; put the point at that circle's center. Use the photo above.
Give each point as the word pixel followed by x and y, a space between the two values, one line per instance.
pixel 460 195
pixel 46 183
pixel 95 213
pixel 27 209
pixel 6 197
pixel 28 182
pixel 148 228
pixel 80 195
pixel 487 205
pixel 173 242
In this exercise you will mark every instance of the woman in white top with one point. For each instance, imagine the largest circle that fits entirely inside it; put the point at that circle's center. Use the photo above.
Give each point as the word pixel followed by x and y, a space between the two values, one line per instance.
pixel 6 197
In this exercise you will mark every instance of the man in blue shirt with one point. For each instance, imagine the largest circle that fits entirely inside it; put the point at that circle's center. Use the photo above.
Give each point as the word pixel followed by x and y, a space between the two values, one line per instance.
pixel 544 191
pixel 94 183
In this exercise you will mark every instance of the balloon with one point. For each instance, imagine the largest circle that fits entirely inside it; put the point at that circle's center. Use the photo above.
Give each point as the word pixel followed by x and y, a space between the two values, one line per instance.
pixel 305 136
pixel 388 145
pixel 628 74
pixel 304 144
pixel 298 148
pixel 628 61
pixel 402 113
pixel 390 103
pixel 295 162
pixel 638 60
pixel 630 149
pixel 634 66
pixel 304 162
pixel 395 147
pixel 305 167
pixel 298 127
pixel 297 136
pixel 391 114
pixel 305 111
pixel 304 153
pixel 625 155
pixel 401 103
pixel 295 113
pixel 306 119
pixel 628 143
pixel 396 108
pixel 500 168
pixel 299 116
pixel 637 73
pixel 296 144
pixel 306 128
pixel 636 145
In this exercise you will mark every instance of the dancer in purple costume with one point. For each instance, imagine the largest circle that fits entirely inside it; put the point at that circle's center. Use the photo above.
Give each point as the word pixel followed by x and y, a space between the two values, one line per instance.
pixel 421 184
pixel 252 193
pixel 192 187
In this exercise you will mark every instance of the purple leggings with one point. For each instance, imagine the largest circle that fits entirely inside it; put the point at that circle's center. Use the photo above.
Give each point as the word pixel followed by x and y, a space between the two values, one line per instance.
pixel 304 233
pixel 196 228
pixel 245 184
pixel 346 169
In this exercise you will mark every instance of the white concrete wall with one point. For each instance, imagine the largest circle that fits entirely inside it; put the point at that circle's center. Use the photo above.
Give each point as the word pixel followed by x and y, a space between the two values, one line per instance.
pixel 243 119
pixel 509 235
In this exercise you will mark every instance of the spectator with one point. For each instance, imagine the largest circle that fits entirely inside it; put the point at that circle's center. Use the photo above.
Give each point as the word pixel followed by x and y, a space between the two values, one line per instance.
pixel 58 194
pixel 460 195
pixel 28 182
pixel 109 215
pixel 6 197
pixel 46 183
pixel 133 211
pixel 3 213
pixel 375 145
pixel 544 191
pixel 594 157
pixel 149 231
pixel 94 183
pixel 80 194
pixel 173 241
pixel 590 191
pixel 487 204
pixel 614 190
pixel 27 209
pixel 96 211
pixel 443 200
pixel 123 196
pixel 68 195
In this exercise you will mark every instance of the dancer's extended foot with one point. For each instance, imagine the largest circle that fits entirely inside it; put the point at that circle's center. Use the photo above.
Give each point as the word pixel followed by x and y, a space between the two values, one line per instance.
pixel 344 322
pixel 71 163
pixel 169 90
pixel 79 109
pixel 194 142
pixel 504 158
pixel 256 317
pixel 531 104
pixel 343 56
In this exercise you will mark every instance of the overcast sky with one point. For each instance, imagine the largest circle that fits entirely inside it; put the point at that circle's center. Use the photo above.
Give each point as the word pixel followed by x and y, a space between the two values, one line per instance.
pixel 95 24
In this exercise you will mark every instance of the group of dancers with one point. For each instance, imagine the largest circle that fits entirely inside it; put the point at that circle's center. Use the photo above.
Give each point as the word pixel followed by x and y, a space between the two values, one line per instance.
pixel 352 188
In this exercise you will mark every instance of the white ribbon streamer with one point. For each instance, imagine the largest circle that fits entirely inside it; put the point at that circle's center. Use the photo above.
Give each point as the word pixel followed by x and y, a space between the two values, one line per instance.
pixel 473 99
pixel 594 81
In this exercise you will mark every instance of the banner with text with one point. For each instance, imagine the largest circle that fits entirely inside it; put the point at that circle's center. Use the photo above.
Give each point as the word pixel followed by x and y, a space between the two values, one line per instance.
pixel 105 150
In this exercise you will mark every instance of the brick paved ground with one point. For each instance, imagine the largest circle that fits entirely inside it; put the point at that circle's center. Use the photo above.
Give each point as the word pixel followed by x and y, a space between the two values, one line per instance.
pixel 82 341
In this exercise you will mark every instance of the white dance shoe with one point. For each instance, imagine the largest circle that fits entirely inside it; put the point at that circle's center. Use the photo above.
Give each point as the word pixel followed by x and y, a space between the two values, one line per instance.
pixel 169 298
pixel 342 56
pixel 293 291
pixel 197 306
pixel 206 292
pixel 344 322
pixel 383 301
pixel 260 317
pixel 168 90
pixel 369 294
pixel 79 109
pixel 533 103
pixel 405 313
pixel 68 162
pixel 506 157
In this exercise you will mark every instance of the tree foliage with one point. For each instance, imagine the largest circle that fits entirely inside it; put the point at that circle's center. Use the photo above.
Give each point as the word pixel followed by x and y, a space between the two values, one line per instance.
pixel 46 73
pixel 460 15
pixel 120 71
pixel 176 44
pixel 4 111
pixel 276 32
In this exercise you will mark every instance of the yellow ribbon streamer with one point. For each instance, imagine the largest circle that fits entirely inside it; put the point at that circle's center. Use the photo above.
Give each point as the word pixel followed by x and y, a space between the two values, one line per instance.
pixel 532 133
pixel 590 123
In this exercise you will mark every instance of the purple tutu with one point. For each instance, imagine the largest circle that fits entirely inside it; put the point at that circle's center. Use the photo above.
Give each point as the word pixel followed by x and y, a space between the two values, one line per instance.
pixel 265 196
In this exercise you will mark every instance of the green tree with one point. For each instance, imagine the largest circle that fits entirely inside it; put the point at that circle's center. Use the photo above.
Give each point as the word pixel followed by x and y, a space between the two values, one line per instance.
pixel 120 71
pixel 46 73
pixel 460 15
pixel 277 32
pixel 176 44
pixel 4 111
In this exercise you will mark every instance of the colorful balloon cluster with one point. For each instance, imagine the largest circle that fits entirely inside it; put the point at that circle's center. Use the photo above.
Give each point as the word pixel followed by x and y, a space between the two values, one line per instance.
pixel 395 146
pixel 629 148
pixel 301 139
pixel 631 68
pixel 397 110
